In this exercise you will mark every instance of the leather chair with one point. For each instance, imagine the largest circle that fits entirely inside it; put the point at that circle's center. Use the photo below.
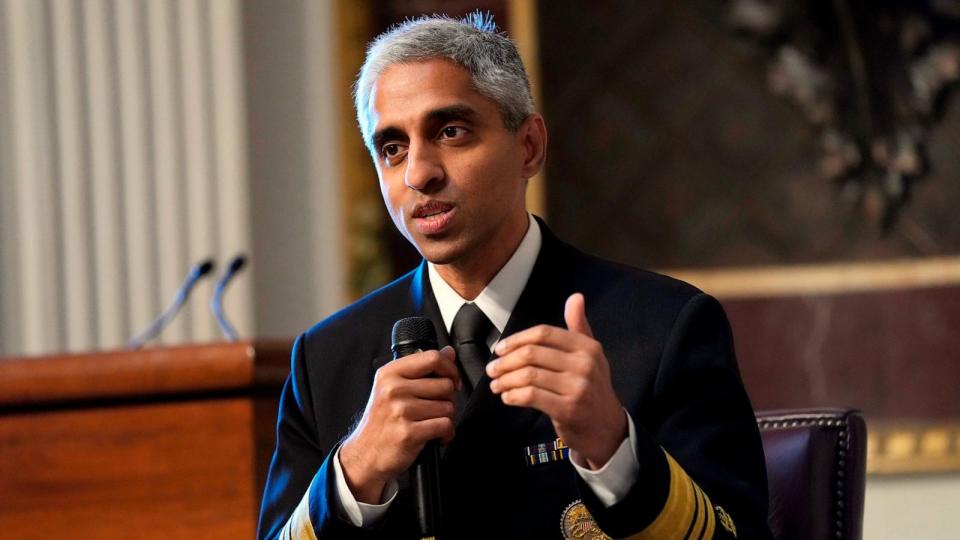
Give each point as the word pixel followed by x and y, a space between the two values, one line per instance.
pixel 816 463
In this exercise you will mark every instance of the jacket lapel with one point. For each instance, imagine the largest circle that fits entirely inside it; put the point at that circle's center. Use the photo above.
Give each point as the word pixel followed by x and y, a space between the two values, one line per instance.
pixel 428 306
pixel 423 304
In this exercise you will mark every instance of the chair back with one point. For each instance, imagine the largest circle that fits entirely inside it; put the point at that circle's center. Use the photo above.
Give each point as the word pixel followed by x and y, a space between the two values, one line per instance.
pixel 816 463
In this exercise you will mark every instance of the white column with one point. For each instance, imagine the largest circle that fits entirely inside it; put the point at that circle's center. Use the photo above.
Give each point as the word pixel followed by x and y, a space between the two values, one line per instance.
pixel 10 334
pixel 139 237
pixel 38 257
pixel 77 301
pixel 108 235
pixel 167 174
pixel 230 129
pixel 202 206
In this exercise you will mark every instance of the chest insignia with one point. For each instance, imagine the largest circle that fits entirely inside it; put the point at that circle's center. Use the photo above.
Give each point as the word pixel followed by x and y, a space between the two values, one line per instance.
pixel 548 452
pixel 724 518
pixel 578 524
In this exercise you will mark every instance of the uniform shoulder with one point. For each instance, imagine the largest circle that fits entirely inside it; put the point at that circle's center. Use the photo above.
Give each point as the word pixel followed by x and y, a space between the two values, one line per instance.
pixel 374 310
pixel 616 282
pixel 636 283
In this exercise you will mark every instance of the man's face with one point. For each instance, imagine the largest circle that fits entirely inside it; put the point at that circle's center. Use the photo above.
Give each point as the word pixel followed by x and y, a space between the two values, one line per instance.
pixel 452 176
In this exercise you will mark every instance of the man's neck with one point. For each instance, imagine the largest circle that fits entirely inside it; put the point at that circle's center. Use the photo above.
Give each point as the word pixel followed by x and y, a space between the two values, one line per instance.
pixel 469 276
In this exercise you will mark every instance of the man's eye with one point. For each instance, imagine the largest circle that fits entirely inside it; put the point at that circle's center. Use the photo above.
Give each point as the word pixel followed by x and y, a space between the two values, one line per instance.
pixel 390 150
pixel 450 132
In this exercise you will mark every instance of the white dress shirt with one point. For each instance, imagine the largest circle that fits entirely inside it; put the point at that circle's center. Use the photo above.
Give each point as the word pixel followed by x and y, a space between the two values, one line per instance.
pixel 609 483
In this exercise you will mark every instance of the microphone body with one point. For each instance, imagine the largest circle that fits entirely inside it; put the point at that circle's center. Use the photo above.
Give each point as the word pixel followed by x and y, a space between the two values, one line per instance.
pixel 216 301
pixel 411 335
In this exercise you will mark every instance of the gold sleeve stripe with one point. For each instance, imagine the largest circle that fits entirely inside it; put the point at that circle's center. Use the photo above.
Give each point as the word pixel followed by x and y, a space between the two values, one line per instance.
pixel 700 526
pixel 704 527
pixel 677 513
pixel 711 516
pixel 696 526
pixel 299 527
pixel 687 512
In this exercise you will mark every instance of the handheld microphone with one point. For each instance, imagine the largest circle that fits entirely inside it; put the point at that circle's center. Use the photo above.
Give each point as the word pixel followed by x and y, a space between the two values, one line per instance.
pixel 196 273
pixel 216 301
pixel 410 335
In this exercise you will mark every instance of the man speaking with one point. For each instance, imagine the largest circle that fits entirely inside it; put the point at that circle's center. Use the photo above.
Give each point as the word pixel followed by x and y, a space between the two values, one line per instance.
pixel 573 397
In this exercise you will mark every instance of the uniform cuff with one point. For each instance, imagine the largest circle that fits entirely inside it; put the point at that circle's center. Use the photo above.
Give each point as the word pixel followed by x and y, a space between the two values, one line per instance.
pixel 348 507
pixel 613 481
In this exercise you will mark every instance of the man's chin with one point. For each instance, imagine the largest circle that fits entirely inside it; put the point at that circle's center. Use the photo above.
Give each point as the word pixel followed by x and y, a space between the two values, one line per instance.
pixel 439 252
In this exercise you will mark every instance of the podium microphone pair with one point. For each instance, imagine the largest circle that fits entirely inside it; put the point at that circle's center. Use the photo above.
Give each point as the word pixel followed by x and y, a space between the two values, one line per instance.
pixel 196 273
pixel 411 335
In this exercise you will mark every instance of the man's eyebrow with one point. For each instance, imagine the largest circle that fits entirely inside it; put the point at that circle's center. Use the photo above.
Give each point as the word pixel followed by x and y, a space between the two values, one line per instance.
pixel 452 112
pixel 436 116
pixel 386 134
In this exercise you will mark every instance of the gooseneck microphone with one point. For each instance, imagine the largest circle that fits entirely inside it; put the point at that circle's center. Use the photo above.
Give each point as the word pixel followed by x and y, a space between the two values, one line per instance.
pixel 216 301
pixel 411 335
pixel 196 272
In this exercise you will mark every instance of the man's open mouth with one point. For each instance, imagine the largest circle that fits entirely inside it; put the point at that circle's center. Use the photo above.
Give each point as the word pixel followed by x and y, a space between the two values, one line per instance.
pixel 433 217
pixel 431 209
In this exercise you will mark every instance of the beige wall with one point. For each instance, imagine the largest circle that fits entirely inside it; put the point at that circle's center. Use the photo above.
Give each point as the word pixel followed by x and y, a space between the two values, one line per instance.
pixel 290 48
pixel 921 507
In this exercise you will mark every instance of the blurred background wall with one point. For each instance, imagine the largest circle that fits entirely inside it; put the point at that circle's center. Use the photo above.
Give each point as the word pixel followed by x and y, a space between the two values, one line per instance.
pixel 124 161
pixel 139 138
pixel 725 142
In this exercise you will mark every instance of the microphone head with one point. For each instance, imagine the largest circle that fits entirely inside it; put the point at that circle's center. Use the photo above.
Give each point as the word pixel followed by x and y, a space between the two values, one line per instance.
pixel 237 263
pixel 412 334
pixel 202 269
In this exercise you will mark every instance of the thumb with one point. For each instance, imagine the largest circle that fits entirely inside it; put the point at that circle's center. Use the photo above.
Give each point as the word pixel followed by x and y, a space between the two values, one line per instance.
pixel 575 315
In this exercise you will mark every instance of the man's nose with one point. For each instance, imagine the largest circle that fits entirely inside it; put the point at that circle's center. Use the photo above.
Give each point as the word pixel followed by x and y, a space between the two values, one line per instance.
pixel 424 168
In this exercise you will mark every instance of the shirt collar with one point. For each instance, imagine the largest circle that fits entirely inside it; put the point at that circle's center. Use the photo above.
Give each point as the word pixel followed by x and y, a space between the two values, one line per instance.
pixel 499 297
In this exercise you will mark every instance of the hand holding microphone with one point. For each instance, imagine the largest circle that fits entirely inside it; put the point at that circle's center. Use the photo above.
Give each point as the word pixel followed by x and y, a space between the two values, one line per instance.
pixel 410 404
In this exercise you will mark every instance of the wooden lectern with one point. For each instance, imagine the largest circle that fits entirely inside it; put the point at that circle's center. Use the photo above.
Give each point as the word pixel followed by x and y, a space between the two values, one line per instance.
pixel 168 442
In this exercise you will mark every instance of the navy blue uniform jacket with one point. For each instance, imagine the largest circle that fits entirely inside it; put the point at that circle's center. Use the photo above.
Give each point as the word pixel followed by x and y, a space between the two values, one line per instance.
pixel 672 362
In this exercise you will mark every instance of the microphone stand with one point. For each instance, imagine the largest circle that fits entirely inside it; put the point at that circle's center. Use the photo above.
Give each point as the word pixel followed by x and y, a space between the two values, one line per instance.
pixel 158 324
pixel 216 301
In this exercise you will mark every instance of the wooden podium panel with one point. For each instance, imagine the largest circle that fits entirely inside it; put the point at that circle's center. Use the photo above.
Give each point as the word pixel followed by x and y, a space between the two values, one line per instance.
pixel 164 443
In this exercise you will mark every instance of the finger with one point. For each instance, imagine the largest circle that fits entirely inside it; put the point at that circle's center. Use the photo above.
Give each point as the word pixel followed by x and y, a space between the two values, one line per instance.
pixel 427 363
pixel 434 428
pixel 528 355
pixel 545 335
pixel 416 410
pixel 447 366
pixel 558 383
pixel 452 372
pixel 575 315
pixel 431 388
pixel 544 401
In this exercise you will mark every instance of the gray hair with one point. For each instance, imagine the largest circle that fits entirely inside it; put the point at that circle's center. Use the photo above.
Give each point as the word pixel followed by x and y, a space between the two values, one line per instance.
pixel 473 42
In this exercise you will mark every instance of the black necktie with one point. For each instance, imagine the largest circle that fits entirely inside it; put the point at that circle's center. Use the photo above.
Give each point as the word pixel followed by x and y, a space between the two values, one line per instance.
pixel 470 331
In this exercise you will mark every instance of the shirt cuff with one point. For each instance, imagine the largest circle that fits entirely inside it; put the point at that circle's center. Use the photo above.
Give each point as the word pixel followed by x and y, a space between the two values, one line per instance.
pixel 357 513
pixel 613 481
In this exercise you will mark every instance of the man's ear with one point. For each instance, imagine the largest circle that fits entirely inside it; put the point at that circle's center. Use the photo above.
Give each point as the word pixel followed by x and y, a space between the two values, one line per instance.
pixel 533 137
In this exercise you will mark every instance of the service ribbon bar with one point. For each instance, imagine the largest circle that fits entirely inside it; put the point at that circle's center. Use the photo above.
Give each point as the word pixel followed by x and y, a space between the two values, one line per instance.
pixel 547 452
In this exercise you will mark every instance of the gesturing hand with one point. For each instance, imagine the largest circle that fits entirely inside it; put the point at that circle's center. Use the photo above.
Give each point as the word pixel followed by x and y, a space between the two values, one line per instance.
pixel 564 374
pixel 411 403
